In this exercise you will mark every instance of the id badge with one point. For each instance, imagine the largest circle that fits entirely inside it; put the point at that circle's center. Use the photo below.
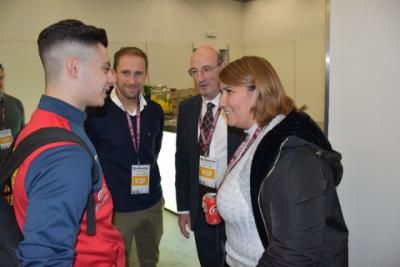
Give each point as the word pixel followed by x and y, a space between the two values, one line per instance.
pixel 6 139
pixel 207 171
pixel 140 182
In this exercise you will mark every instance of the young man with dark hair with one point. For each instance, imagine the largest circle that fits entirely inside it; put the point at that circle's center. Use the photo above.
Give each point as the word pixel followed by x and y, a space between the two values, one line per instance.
pixel 53 185
pixel 127 133
pixel 12 117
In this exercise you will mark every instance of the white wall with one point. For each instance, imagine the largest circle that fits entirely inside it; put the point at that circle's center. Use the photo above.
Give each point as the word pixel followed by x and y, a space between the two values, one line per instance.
pixel 161 24
pixel 291 35
pixel 166 21
pixel 283 20
pixel 365 126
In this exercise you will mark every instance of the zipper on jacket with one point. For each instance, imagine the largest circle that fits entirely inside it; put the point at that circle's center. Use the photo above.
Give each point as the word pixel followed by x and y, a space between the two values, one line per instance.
pixel 262 183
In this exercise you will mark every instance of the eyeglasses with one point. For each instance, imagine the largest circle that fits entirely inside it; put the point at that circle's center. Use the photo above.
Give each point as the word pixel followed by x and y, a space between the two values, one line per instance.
pixel 206 70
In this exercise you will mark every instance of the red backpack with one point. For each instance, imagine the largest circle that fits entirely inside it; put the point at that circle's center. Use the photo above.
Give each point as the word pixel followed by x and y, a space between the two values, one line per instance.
pixel 10 234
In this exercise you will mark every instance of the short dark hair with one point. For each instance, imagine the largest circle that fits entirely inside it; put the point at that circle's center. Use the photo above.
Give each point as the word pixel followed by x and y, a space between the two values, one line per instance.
pixel 70 31
pixel 130 50
pixel 1 67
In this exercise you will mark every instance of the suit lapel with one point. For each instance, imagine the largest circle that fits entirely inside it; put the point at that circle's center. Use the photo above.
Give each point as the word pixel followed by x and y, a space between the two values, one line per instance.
pixel 193 122
pixel 192 132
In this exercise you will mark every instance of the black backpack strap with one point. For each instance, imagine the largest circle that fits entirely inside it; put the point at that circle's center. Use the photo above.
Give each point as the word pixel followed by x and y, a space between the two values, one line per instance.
pixel 41 138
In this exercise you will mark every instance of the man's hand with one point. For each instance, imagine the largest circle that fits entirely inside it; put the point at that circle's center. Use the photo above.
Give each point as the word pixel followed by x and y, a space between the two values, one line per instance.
pixel 184 224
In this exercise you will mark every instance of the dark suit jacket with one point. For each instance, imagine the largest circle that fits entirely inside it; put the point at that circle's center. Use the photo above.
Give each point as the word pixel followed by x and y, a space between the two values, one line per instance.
pixel 187 155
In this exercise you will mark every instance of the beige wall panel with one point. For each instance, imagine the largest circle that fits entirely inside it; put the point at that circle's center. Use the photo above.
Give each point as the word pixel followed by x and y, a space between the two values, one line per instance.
pixel 168 64
pixel 283 20
pixel 214 42
pixel 165 21
pixel 235 51
pixel 24 74
pixel 309 76
pixel 137 22
pixel 281 56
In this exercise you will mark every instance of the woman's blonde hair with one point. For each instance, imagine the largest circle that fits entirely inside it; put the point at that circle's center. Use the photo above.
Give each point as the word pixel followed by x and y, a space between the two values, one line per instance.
pixel 257 73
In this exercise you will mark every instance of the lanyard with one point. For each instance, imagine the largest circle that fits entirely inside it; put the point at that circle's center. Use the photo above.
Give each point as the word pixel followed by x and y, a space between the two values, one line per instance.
pixel 240 151
pixel 207 139
pixel 135 138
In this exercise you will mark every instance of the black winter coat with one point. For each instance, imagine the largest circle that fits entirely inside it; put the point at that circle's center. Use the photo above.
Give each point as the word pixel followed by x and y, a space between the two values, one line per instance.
pixel 293 179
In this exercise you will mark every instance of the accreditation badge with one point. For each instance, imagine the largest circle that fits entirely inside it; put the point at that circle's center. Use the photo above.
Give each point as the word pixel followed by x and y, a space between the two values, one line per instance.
pixel 140 182
pixel 6 139
pixel 207 171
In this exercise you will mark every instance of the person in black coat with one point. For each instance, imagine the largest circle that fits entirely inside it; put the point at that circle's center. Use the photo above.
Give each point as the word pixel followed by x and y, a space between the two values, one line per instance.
pixel 278 197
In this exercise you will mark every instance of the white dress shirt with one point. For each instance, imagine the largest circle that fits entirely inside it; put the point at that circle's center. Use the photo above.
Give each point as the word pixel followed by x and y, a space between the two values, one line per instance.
pixel 219 141
pixel 117 101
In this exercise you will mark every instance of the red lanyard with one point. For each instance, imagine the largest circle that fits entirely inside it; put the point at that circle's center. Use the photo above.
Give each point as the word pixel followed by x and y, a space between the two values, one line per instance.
pixel 240 151
pixel 135 138
pixel 212 129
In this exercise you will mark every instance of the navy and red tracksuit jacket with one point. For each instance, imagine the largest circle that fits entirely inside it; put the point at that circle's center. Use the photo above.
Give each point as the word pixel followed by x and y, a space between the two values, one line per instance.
pixel 51 191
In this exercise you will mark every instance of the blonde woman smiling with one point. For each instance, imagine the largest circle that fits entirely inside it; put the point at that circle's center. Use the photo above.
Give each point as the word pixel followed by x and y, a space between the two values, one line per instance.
pixel 278 196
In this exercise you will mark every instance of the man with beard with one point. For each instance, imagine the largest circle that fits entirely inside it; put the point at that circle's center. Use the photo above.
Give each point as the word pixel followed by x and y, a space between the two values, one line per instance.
pixel 127 134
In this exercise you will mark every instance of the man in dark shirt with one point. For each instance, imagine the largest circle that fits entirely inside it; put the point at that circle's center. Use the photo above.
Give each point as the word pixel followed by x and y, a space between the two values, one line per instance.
pixel 127 134
pixel 12 117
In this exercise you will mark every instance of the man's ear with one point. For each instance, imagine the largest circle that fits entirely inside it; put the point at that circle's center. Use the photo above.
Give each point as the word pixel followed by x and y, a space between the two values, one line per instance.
pixel 72 66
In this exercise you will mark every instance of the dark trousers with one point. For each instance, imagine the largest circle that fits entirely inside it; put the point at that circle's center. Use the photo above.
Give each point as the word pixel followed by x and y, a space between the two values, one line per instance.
pixel 210 242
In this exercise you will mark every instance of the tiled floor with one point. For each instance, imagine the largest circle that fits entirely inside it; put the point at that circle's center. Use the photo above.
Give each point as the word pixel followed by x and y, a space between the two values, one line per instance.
pixel 175 250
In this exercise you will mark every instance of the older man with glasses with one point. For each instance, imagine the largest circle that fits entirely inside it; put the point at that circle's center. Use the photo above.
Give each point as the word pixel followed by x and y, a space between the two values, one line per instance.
pixel 203 138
